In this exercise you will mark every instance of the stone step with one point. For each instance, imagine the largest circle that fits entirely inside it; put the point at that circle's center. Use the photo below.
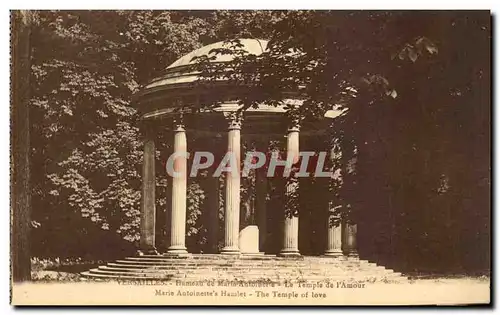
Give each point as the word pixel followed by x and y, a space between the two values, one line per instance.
pixel 243 267
pixel 190 266
pixel 244 272
pixel 138 275
pixel 194 265
pixel 198 272
pixel 247 268
pixel 212 268
pixel 227 267
pixel 246 263
pixel 319 272
pixel 236 263
pixel 216 261
pixel 149 266
pixel 221 257
pixel 249 257
pixel 93 275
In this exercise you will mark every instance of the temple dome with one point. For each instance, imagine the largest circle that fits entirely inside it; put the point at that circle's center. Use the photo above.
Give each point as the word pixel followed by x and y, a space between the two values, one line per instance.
pixel 178 74
pixel 174 88
pixel 252 46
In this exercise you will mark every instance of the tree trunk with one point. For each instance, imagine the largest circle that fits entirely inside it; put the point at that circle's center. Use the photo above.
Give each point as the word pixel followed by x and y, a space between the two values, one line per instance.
pixel 20 145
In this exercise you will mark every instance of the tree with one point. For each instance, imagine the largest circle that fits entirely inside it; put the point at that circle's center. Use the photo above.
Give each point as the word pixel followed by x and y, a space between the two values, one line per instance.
pixel 20 145
pixel 413 87
pixel 413 90
pixel 87 144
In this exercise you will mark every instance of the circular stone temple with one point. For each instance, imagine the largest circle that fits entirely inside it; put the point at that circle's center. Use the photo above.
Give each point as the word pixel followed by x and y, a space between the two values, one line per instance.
pixel 174 103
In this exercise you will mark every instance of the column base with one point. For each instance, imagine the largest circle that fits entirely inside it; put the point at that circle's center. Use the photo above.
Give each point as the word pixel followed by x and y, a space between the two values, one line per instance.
pixel 150 251
pixel 177 250
pixel 333 253
pixel 289 252
pixel 353 254
pixel 230 251
pixel 177 255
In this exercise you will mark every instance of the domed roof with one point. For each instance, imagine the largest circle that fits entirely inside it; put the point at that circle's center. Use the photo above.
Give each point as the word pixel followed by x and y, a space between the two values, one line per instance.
pixel 252 46
pixel 177 73
pixel 176 82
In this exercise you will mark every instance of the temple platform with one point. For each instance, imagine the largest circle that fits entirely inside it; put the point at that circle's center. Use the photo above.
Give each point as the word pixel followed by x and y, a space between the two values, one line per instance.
pixel 203 267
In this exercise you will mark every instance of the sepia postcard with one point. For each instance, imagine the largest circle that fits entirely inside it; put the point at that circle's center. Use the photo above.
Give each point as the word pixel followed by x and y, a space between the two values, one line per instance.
pixel 252 157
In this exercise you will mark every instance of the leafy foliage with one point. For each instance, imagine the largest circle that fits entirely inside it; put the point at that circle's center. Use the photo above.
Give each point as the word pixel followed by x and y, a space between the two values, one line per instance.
pixel 413 90
pixel 412 144
pixel 87 147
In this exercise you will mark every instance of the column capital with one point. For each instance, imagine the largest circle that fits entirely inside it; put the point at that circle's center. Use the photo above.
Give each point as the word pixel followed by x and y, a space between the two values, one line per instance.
pixel 178 123
pixel 234 120
pixel 293 124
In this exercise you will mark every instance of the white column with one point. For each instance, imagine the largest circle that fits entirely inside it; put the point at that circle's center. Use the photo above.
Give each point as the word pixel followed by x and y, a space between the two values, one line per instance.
pixel 179 188
pixel 334 233
pixel 350 234
pixel 291 224
pixel 148 207
pixel 260 207
pixel 232 202
pixel 334 224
